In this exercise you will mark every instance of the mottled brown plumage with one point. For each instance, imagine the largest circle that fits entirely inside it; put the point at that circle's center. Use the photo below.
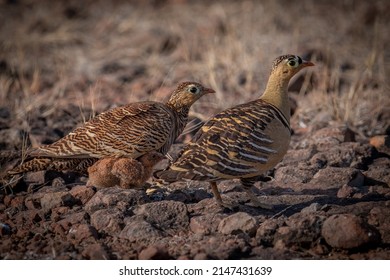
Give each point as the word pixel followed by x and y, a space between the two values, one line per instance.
pixel 125 172
pixel 244 141
pixel 128 131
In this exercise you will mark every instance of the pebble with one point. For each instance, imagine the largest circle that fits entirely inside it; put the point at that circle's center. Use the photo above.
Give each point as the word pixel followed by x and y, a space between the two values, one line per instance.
pixel 237 223
pixel 154 252
pixel 347 231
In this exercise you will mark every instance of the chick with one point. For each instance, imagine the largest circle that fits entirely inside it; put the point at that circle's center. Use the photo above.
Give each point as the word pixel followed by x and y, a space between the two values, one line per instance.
pixel 125 172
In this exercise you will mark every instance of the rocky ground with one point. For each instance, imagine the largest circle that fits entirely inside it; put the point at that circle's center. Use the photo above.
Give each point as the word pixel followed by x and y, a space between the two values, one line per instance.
pixel 62 62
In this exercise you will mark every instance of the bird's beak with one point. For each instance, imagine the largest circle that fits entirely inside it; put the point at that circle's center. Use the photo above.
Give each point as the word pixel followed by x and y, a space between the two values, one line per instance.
pixel 208 90
pixel 307 63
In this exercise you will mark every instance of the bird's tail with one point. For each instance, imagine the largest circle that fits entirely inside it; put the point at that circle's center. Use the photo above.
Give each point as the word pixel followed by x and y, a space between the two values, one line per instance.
pixel 59 164
pixel 35 164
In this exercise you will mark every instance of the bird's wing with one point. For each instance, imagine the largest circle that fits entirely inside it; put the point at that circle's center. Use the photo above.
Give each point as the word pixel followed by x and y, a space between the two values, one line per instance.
pixel 130 130
pixel 230 145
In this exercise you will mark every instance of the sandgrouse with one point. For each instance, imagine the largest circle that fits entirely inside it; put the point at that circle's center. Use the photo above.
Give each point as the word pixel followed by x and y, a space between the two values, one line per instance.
pixel 244 141
pixel 125 172
pixel 127 131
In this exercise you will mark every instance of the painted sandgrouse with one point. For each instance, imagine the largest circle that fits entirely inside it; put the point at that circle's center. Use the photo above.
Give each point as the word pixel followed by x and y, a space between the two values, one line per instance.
pixel 244 141
pixel 128 131
pixel 125 172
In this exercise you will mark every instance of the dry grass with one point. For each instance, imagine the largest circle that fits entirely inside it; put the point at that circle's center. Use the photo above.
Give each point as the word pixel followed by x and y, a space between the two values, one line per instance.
pixel 101 54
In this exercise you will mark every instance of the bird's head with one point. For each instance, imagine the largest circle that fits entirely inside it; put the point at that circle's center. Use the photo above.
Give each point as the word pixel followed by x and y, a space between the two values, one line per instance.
pixel 186 94
pixel 288 65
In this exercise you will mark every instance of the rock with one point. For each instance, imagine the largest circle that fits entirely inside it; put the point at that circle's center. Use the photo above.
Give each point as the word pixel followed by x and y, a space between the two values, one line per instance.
pixel 34 216
pixel 238 223
pixel 201 256
pixel 208 205
pixel 33 202
pixel 199 195
pixel 347 231
pixel 179 195
pixel 80 232
pixel 116 196
pixel 347 191
pixel 314 207
pixel 72 219
pixel 295 174
pixel 137 229
pixel 82 193
pixel 40 177
pixel 59 213
pixel 18 202
pixel 379 191
pixel 380 218
pixel 223 247
pixel 347 154
pixel 108 220
pixel 266 232
pixel 165 215
pixel 57 199
pixel 154 253
pixel 7 200
pixel 378 172
pixel 336 177
pixel 95 252
pixel 300 230
pixel 330 137
pixel 206 224
pixel 299 155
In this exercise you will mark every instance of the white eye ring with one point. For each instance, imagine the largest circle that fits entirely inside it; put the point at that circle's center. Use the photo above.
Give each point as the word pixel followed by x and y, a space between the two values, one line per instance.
pixel 194 89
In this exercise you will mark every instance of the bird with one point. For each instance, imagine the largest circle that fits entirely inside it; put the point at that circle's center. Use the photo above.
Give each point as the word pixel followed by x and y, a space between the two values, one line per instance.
pixel 244 141
pixel 125 172
pixel 128 131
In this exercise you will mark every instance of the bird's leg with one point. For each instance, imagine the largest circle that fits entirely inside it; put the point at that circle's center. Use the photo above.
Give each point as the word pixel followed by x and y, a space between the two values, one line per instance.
pixel 216 193
pixel 218 197
pixel 248 186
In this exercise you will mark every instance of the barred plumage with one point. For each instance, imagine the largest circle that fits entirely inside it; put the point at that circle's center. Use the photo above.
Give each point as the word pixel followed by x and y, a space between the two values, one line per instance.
pixel 128 131
pixel 244 141
pixel 59 164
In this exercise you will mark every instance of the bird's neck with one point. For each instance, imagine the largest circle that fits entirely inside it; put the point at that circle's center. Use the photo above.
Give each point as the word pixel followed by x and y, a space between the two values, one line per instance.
pixel 276 94
pixel 181 120
pixel 181 117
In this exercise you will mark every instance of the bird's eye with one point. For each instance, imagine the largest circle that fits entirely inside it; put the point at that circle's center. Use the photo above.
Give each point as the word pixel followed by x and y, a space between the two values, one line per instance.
pixel 292 63
pixel 193 89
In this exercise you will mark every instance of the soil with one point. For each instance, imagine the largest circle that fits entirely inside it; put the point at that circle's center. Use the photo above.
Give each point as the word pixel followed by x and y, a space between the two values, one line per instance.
pixel 62 62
